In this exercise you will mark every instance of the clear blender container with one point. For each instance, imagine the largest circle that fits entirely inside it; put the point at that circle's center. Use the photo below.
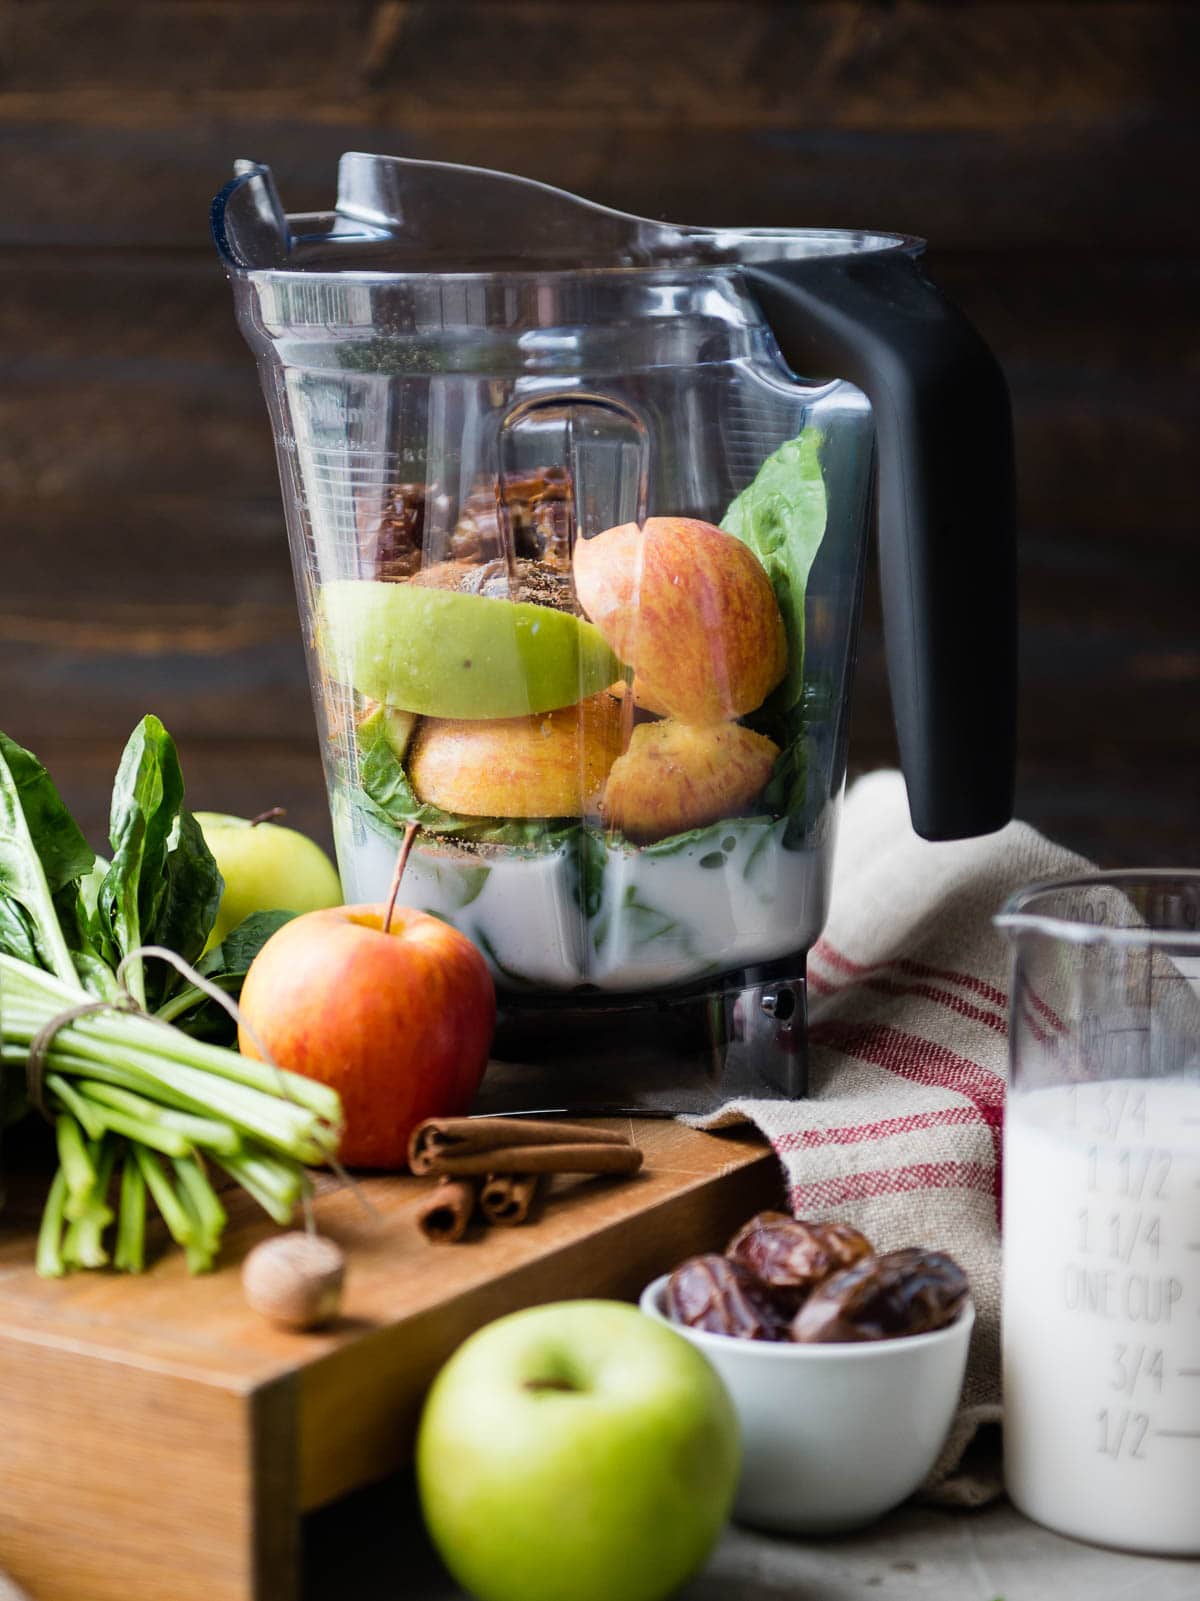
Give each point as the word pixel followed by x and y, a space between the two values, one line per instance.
pixel 579 560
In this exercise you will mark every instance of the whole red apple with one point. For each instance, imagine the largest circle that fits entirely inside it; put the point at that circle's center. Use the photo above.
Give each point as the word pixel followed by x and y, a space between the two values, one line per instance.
pixel 399 1023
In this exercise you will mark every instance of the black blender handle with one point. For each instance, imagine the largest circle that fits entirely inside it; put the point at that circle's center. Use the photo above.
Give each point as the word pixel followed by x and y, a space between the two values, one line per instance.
pixel 947 545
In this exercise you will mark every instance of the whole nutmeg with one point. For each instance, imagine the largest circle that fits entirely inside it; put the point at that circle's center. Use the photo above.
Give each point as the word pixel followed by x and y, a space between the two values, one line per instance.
pixel 295 1280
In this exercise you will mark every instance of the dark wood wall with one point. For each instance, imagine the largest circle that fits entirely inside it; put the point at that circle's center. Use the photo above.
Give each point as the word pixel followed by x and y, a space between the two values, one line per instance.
pixel 1049 151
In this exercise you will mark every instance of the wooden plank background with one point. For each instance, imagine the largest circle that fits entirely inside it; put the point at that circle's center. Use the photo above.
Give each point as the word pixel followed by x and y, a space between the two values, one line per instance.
pixel 1049 151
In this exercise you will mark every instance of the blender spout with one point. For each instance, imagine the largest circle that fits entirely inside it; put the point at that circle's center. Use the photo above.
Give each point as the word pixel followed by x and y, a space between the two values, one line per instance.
pixel 249 224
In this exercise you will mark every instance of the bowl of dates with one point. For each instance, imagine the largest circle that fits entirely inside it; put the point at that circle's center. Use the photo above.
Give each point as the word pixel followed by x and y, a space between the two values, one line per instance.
pixel 845 1364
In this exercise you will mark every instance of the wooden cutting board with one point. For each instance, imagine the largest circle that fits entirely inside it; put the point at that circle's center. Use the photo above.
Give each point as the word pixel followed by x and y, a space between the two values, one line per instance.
pixel 158 1441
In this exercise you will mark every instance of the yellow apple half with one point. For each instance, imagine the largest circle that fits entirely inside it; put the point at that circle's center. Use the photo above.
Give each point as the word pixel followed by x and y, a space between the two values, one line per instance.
pixel 675 776
pixel 552 765
pixel 690 609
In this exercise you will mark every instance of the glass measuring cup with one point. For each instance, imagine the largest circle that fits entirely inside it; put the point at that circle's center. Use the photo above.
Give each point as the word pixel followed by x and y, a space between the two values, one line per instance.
pixel 1101 1305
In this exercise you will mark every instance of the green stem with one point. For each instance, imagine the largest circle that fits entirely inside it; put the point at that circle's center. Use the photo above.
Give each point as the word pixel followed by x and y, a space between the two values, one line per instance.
pixel 165 1140
pixel 130 1254
pixel 49 1261
pixel 173 1213
pixel 188 997
pixel 198 1195
pixel 76 1105
pixel 193 1130
pixel 275 1186
pixel 75 1163
pixel 84 1243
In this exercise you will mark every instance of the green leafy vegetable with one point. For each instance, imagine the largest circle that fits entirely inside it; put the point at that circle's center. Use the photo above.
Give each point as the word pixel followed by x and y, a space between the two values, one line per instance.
pixel 226 966
pixel 781 516
pixel 126 1089
pixel 41 852
pixel 143 823
pixel 187 907
pixel 386 786
pixel 722 836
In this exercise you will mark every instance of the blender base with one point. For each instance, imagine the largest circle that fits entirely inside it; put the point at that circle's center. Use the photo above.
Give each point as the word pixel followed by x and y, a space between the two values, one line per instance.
pixel 687 1051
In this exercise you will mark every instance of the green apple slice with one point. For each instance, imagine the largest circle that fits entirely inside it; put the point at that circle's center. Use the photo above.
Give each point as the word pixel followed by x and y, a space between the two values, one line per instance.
pixel 442 653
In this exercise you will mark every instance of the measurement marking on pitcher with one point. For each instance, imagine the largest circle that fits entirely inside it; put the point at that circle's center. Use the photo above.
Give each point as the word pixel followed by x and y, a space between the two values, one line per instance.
pixel 1179 1434
pixel 1189 1373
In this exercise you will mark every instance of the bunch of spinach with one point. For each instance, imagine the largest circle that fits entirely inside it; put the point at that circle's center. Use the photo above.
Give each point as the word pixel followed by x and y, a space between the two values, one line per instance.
pixel 140 1097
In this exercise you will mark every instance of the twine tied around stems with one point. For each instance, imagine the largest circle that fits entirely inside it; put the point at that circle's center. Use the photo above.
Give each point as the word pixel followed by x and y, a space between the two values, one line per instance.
pixel 39 1045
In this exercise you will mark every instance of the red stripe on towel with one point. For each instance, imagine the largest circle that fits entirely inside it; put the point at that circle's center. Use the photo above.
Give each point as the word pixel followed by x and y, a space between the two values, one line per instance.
pixel 809 1138
pixel 828 953
pixel 834 1192
pixel 953 1003
pixel 922 1062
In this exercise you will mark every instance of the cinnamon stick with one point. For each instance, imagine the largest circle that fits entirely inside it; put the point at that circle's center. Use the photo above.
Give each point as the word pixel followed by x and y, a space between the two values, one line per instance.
pixel 462 1136
pixel 592 1158
pixel 507 1199
pixel 447 1210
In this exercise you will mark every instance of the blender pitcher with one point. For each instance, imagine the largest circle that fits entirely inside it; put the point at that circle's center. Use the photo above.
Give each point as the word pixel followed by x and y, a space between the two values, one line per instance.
pixel 578 507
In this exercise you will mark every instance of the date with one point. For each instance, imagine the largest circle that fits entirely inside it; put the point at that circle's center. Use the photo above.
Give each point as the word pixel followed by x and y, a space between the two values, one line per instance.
pixel 883 1298
pixel 723 1297
pixel 791 1255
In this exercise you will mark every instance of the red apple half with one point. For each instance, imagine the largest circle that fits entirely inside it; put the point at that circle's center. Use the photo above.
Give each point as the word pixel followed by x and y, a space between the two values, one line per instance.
pixel 400 1024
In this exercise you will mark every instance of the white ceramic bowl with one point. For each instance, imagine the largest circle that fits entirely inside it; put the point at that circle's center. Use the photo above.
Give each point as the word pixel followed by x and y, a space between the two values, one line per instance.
pixel 833 1436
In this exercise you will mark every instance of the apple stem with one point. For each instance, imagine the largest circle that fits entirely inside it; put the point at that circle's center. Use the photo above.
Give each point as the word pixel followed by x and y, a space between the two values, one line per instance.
pixel 271 815
pixel 410 833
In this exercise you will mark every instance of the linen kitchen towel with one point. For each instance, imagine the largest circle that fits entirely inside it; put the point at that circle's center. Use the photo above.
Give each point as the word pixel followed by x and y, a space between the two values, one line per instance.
pixel 908 996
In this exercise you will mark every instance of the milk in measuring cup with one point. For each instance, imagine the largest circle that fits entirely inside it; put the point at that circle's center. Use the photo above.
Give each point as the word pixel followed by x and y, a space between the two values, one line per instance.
pixel 1102 1311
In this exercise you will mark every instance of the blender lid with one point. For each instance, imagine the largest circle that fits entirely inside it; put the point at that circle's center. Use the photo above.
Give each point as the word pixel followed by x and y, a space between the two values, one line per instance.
pixel 395 215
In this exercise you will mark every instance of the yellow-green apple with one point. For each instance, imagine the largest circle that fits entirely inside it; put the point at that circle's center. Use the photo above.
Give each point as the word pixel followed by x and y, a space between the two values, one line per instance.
pixel 399 1023
pixel 690 609
pixel 266 868
pixel 553 765
pixel 676 776
pixel 576 1452
pixel 446 654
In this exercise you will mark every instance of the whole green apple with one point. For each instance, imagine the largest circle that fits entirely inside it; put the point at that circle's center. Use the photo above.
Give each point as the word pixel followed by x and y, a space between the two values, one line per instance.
pixel 576 1452
pixel 266 869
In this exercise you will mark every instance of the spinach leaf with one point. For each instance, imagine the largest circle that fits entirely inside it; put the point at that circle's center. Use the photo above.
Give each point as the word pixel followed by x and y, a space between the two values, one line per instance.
pixel 89 889
pixel 588 860
pixel 712 836
pixel 781 516
pixel 232 957
pixel 226 966
pixel 41 852
pixel 187 908
pixel 146 801
pixel 75 917
pixel 17 937
pixel 385 783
